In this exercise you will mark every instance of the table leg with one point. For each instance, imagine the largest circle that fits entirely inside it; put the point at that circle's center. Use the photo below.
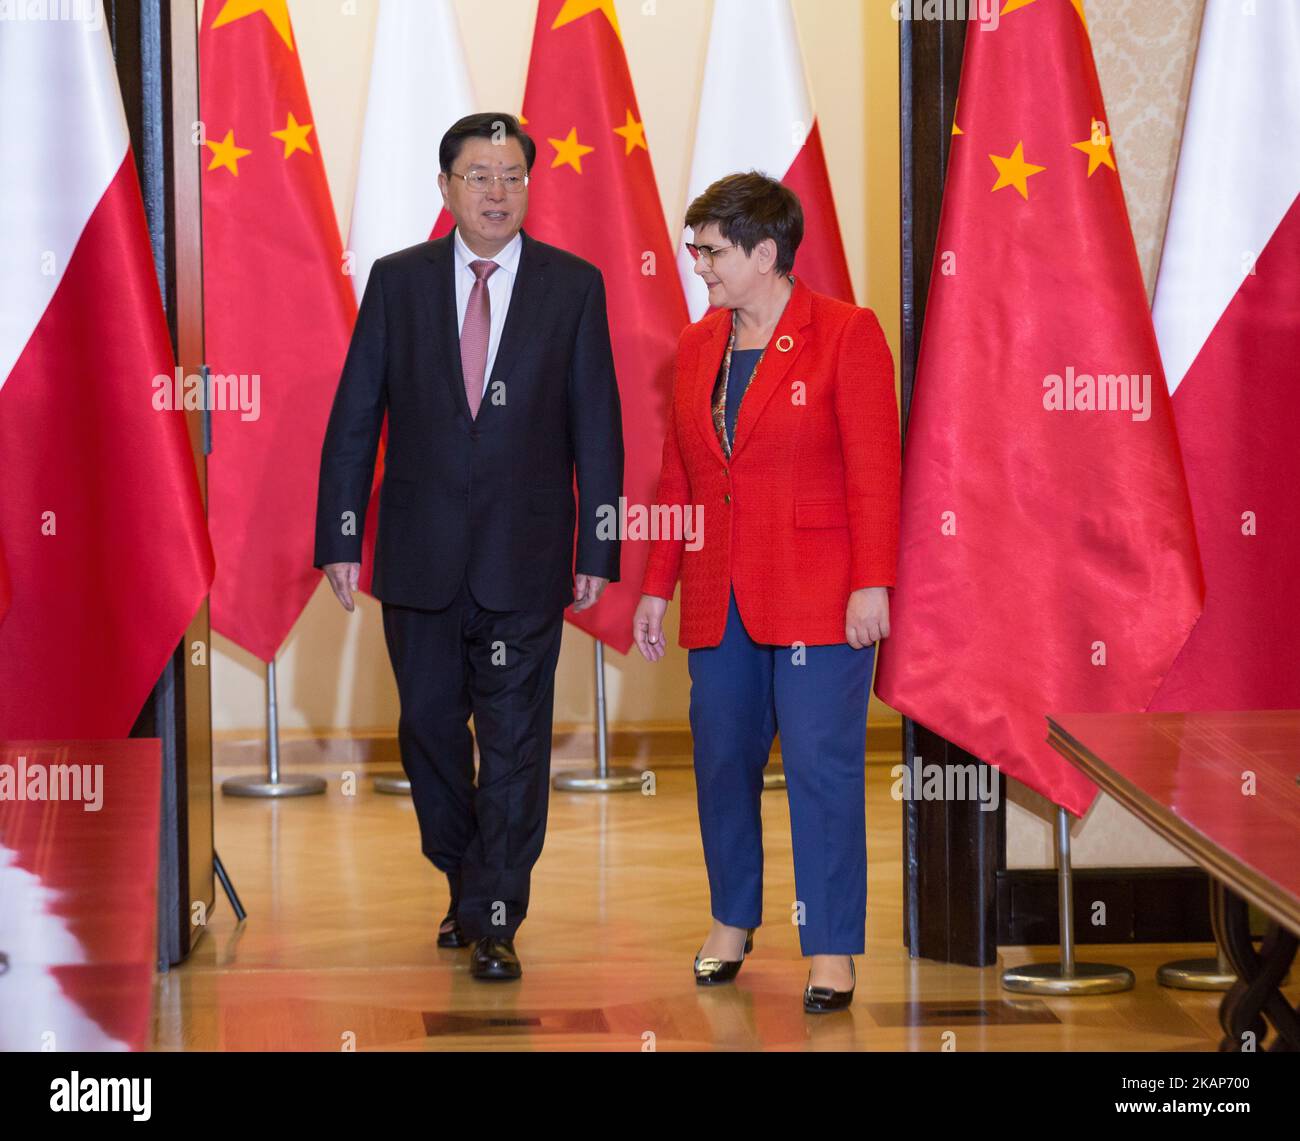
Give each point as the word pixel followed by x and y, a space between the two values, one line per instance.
pixel 1256 994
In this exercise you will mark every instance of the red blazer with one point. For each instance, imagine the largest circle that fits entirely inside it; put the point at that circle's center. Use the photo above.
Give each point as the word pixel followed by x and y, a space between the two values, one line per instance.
pixel 806 511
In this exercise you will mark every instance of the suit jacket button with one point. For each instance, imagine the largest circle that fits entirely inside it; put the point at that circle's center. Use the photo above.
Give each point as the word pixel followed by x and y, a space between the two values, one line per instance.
pixel 726 498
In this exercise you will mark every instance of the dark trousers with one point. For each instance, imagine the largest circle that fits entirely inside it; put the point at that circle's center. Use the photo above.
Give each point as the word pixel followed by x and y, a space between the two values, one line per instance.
pixel 499 666
pixel 742 694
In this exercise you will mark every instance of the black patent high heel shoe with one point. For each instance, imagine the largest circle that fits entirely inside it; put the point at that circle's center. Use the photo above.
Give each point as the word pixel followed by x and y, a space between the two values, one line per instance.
pixel 821 999
pixel 710 971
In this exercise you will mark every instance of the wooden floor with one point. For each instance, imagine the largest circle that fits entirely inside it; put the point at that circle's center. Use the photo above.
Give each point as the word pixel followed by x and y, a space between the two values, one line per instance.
pixel 338 949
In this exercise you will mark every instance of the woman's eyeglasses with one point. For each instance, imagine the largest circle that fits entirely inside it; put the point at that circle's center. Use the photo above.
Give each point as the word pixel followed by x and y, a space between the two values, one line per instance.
pixel 705 253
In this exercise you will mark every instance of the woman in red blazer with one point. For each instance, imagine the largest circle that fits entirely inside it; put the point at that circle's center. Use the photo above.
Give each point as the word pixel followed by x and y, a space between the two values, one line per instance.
pixel 781 479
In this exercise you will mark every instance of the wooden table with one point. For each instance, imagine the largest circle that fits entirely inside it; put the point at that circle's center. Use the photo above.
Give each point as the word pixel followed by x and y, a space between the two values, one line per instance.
pixel 1224 788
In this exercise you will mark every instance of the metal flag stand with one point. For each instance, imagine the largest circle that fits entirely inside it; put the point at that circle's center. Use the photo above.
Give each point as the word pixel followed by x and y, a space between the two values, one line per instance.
pixel 1198 974
pixel 273 785
pixel 393 784
pixel 602 778
pixel 1204 973
pixel 1066 977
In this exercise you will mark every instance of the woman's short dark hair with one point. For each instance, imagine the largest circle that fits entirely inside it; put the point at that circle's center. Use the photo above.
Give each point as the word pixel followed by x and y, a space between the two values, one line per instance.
pixel 747 208
pixel 495 125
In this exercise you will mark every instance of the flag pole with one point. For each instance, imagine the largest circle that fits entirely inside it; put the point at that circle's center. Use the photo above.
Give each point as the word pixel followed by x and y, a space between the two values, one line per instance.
pixel 274 785
pixel 603 778
pixel 1067 977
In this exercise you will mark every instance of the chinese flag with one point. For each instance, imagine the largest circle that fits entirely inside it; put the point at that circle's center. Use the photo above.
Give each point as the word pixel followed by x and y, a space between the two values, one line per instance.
pixel 593 192
pixel 278 307
pixel 6 590
pixel 1048 562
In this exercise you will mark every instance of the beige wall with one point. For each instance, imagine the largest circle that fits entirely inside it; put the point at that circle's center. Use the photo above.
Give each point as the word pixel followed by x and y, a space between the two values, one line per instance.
pixel 334 673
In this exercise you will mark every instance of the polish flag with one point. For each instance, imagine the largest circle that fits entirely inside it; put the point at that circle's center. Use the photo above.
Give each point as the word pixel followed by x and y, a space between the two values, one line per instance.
pixel 101 520
pixel 419 86
pixel 756 113
pixel 1227 314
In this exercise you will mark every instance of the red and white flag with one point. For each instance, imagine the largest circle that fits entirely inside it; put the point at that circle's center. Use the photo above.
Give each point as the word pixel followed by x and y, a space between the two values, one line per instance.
pixel 101 520
pixel 756 113
pixel 1227 313
pixel 419 86
pixel 278 310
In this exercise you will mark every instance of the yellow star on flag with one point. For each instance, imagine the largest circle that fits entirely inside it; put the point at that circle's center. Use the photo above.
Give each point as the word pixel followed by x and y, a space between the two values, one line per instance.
pixel 1097 148
pixel 227 154
pixel 633 134
pixel 277 11
pixel 956 130
pixel 294 136
pixel 1014 171
pixel 569 152
pixel 576 9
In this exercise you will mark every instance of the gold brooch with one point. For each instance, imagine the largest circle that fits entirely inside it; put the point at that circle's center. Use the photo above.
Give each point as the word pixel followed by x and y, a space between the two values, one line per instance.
pixel 785 343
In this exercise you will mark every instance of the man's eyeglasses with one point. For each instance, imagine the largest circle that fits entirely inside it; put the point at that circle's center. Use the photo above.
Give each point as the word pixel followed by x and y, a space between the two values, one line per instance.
pixel 481 183
pixel 705 253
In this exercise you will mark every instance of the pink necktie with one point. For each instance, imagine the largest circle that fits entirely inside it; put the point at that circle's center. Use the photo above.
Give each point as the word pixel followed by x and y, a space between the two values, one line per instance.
pixel 475 333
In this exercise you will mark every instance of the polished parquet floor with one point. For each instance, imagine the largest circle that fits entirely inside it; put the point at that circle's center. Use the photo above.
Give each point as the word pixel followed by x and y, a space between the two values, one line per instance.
pixel 338 949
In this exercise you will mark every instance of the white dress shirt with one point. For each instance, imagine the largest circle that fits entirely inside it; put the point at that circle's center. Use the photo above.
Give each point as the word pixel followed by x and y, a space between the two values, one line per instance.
pixel 500 285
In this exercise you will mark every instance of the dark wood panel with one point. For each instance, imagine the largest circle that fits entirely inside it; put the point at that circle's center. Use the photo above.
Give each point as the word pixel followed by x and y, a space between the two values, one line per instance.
pixel 1142 905
pixel 950 849
pixel 155 47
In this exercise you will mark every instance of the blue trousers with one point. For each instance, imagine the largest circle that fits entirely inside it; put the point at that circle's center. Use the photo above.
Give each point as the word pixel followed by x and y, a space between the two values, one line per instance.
pixel 742 694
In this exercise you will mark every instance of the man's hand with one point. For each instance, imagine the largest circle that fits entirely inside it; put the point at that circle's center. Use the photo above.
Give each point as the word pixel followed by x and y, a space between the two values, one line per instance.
pixel 648 627
pixel 344 578
pixel 867 619
pixel 587 589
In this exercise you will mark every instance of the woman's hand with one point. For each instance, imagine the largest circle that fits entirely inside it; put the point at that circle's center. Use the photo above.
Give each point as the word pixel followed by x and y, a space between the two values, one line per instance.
pixel 867 618
pixel 648 627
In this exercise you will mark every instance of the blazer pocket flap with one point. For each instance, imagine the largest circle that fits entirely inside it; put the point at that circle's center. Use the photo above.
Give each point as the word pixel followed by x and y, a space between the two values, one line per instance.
pixel 821 513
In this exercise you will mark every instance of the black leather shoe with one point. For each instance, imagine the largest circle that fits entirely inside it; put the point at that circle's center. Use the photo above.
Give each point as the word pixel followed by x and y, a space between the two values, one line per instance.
pixel 451 936
pixel 821 999
pixel 710 971
pixel 493 959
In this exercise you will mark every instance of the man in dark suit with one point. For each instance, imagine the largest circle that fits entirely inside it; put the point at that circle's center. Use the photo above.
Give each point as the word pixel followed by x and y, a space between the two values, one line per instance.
pixel 490 353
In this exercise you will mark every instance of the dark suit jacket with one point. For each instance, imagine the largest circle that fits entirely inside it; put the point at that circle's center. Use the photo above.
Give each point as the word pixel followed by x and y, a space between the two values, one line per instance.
pixel 491 497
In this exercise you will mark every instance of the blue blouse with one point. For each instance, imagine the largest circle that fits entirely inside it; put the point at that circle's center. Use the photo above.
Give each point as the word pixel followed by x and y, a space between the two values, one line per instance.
pixel 743 362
